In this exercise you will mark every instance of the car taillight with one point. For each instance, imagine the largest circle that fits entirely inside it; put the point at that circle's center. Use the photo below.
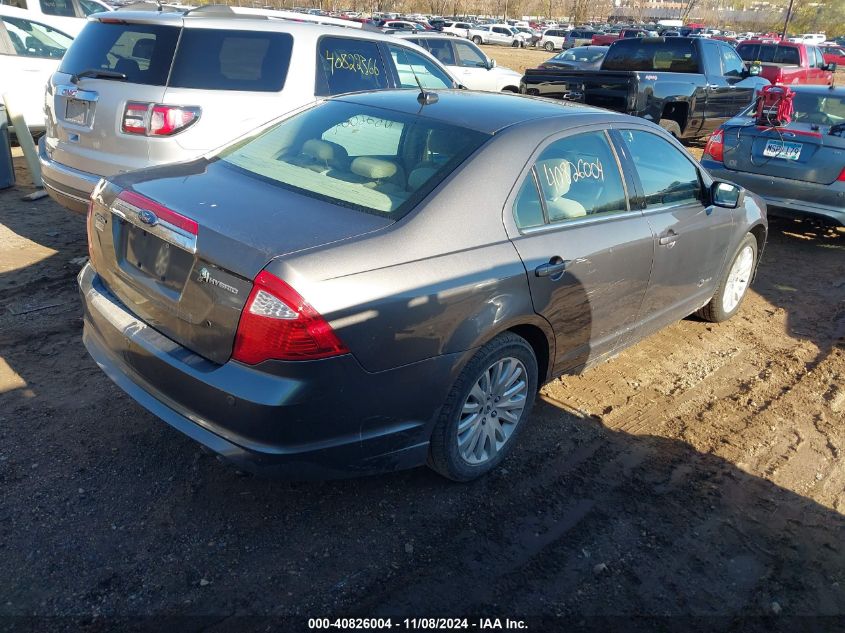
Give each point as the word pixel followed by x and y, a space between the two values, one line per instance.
pixel 277 323
pixel 842 176
pixel 156 119
pixel 715 147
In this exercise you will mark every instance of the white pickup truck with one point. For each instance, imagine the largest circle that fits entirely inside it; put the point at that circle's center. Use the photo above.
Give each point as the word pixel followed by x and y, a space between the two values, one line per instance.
pixel 501 34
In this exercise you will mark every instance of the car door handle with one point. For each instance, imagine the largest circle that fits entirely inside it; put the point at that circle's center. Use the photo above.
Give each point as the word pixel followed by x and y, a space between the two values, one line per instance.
pixel 667 238
pixel 553 269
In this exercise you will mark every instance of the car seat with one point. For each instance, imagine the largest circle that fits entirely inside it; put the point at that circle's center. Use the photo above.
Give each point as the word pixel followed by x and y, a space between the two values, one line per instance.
pixel 377 173
pixel 321 156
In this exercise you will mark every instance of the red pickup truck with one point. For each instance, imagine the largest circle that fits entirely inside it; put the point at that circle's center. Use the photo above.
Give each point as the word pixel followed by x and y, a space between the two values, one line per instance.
pixel 606 39
pixel 787 62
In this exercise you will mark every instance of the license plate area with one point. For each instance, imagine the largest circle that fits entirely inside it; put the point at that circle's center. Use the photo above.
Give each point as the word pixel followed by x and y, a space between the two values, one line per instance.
pixel 783 150
pixel 144 255
pixel 78 111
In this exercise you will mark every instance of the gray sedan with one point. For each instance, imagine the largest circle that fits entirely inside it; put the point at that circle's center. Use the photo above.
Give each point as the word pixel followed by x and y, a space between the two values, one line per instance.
pixel 385 280
pixel 798 168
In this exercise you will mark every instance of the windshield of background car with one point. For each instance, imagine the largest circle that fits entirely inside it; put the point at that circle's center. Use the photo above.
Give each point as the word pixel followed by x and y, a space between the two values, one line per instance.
pixel 214 59
pixel 580 54
pixel 369 159
pixel 676 55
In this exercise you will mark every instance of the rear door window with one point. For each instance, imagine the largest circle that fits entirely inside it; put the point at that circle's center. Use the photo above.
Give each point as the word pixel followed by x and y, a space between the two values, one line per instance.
pixel 232 60
pixel 89 8
pixel 349 65
pixel 143 52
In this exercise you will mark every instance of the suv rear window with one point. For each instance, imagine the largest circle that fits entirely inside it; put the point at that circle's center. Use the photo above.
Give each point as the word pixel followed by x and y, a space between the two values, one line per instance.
pixel 769 53
pixel 652 55
pixel 142 52
pixel 213 59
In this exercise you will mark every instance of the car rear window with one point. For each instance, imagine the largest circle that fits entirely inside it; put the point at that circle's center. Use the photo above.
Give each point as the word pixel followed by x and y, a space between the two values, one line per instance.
pixel 369 159
pixel 214 59
pixel 142 52
pixel 769 53
pixel 655 55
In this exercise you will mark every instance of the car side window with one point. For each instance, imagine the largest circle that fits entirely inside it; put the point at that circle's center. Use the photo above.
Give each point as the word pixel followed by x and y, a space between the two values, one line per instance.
pixel 527 208
pixel 349 65
pixel 62 8
pixel 89 8
pixel 578 176
pixel 667 176
pixel 441 50
pixel 469 56
pixel 31 39
pixel 412 66
pixel 819 57
pixel 732 63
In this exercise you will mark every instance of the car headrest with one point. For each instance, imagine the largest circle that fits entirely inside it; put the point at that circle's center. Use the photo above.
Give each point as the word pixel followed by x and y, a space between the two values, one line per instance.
pixel 143 48
pixel 374 168
pixel 317 149
pixel 555 175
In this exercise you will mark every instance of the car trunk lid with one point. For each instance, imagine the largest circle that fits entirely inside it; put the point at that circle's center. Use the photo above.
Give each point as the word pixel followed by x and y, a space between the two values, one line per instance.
pixel 796 151
pixel 180 245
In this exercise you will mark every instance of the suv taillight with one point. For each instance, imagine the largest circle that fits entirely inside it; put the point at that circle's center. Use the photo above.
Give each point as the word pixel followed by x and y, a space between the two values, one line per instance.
pixel 156 119
pixel 277 323
pixel 842 176
pixel 715 147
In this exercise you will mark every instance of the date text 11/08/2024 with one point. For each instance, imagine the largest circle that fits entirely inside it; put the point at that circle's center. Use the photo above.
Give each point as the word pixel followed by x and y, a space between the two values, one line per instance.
pixel 421 624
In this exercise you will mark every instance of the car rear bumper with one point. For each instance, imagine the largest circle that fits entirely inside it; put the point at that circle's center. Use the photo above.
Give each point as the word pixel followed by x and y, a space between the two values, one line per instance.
pixel 316 419
pixel 779 193
pixel 70 187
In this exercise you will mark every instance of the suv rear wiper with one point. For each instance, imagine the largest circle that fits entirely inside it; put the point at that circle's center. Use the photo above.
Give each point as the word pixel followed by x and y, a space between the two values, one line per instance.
pixel 98 73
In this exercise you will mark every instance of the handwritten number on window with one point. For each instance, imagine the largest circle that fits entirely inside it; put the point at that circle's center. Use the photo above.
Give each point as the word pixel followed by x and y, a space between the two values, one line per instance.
pixel 353 62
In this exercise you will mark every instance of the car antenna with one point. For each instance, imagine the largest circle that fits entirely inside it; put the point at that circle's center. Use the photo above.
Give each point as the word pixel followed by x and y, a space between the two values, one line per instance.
pixel 424 98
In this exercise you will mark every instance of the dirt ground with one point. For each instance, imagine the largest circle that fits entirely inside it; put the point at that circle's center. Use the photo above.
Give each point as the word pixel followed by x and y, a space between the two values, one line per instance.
pixel 696 481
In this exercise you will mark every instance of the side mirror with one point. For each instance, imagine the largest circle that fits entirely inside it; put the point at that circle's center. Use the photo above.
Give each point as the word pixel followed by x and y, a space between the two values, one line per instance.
pixel 830 67
pixel 491 64
pixel 754 69
pixel 726 194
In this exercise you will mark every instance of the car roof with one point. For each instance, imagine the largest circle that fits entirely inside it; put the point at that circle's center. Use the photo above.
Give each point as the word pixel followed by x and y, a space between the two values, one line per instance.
pixel 487 112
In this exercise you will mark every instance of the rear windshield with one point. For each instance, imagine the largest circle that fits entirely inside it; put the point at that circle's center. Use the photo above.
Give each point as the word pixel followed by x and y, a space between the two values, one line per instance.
pixel 652 55
pixel 372 160
pixel 769 53
pixel 206 58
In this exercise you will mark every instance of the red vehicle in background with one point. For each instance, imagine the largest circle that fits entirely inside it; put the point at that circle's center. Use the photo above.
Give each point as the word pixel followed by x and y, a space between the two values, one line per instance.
pixel 606 39
pixel 788 63
pixel 833 54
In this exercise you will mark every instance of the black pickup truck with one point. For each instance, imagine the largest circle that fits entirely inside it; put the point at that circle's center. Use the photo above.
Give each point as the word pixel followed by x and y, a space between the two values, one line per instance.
pixel 689 85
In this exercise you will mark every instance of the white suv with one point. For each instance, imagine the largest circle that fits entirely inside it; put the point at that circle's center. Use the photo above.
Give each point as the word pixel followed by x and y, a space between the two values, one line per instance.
pixel 141 88
pixel 502 34
pixel 468 63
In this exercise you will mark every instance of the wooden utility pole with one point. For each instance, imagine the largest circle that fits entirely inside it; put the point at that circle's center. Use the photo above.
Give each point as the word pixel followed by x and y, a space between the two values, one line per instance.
pixel 786 21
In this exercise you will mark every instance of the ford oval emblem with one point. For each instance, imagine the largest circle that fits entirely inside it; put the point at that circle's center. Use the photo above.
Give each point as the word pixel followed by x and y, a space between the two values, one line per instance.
pixel 147 217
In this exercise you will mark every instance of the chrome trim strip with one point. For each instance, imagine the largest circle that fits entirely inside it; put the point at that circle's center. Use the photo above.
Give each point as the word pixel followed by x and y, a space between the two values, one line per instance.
pixel 161 229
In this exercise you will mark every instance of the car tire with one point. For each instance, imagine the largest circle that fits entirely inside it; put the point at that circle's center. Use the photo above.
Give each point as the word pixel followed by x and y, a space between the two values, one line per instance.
pixel 549 46
pixel 515 44
pixel 734 283
pixel 477 40
pixel 447 453
pixel 671 126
